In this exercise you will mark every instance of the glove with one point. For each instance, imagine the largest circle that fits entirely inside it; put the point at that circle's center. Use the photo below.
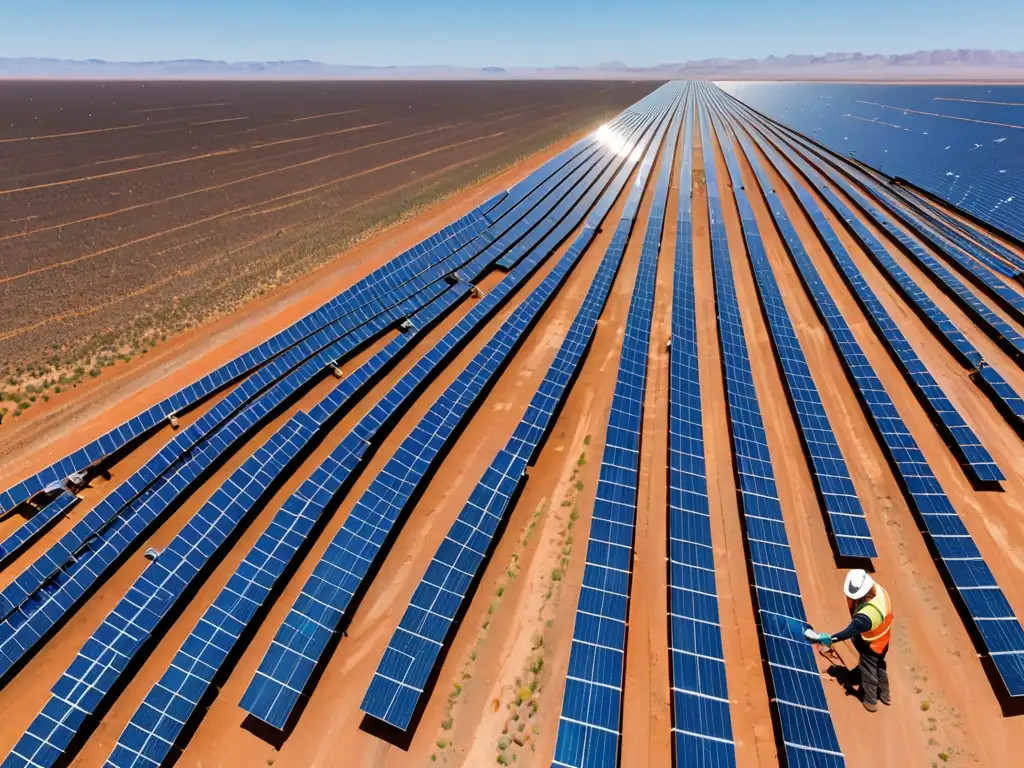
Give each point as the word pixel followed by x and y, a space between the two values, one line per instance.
pixel 825 639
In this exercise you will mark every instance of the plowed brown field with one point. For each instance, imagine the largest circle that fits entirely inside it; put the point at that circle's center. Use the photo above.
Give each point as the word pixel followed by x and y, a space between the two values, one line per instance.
pixel 129 211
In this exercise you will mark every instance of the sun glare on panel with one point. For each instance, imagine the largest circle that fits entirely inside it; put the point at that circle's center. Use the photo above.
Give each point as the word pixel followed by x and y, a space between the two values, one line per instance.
pixel 613 140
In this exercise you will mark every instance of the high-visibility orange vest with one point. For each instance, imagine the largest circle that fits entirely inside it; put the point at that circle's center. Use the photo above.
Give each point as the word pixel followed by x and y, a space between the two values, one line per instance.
pixel 879 610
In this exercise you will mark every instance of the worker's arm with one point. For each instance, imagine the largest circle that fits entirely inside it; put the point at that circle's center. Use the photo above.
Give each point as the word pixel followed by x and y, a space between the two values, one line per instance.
pixel 859 624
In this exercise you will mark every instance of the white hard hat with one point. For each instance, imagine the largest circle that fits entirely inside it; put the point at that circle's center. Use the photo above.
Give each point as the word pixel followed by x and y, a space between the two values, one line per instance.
pixel 858 583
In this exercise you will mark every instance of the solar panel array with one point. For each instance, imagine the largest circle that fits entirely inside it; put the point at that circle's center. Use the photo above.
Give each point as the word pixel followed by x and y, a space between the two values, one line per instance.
pixel 795 689
pixel 107 654
pixel 36 525
pixel 312 622
pixel 518 231
pixel 81 558
pixel 590 724
pixel 845 516
pixel 973 457
pixel 1008 338
pixel 955 236
pixel 701 723
pixel 399 684
pixel 1009 403
pixel 997 630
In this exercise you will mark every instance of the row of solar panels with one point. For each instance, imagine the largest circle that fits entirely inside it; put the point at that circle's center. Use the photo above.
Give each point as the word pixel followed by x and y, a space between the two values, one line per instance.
pixel 311 625
pixel 590 722
pixel 997 631
pixel 795 689
pixel 400 685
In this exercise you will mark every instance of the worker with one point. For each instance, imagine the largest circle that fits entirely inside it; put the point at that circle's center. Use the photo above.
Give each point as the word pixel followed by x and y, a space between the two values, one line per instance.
pixel 869 628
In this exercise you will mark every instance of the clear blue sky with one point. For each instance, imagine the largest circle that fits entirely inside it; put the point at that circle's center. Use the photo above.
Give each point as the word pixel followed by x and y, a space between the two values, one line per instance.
pixel 496 32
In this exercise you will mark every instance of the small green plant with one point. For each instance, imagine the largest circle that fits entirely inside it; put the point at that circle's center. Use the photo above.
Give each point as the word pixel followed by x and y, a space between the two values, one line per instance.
pixel 538 665
pixel 556 574
pixel 447 724
pixel 925 705
pixel 442 743
pixel 944 756
pixel 502 760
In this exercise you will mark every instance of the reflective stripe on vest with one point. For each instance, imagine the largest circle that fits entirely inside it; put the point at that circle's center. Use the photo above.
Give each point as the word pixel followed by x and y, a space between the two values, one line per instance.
pixel 878 638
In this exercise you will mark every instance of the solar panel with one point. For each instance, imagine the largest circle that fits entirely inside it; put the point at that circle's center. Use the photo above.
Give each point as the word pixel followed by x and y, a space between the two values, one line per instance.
pixel 992 384
pixel 845 516
pixel 701 721
pixel 997 631
pixel 399 684
pixel 590 723
pixel 797 696
pixel 314 618
pixel 36 525
pixel 972 456
pixel 107 654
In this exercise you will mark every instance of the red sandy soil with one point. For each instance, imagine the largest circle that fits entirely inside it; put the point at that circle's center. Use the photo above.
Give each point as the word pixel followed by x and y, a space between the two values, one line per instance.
pixel 507 663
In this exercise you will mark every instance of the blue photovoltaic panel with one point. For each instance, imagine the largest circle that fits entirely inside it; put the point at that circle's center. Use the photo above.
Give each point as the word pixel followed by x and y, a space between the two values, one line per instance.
pixel 978 234
pixel 973 457
pixel 590 724
pixel 997 630
pixel 986 319
pixel 398 686
pixel 992 384
pixel 845 516
pixel 314 618
pixel 112 648
pixel 701 722
pixel 401 677
pixel 797 695
pixel 36 525
pixel 950 140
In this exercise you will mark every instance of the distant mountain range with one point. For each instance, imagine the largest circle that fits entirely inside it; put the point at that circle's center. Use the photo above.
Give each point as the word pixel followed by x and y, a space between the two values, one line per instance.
pixel 936 64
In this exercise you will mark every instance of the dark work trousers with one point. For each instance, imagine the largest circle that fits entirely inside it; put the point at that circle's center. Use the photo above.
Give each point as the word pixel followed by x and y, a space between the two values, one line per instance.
pixel 874 675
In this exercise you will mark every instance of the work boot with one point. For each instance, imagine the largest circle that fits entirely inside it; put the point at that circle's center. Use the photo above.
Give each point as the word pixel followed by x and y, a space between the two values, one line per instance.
pixel 885 698
pixel 871 706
